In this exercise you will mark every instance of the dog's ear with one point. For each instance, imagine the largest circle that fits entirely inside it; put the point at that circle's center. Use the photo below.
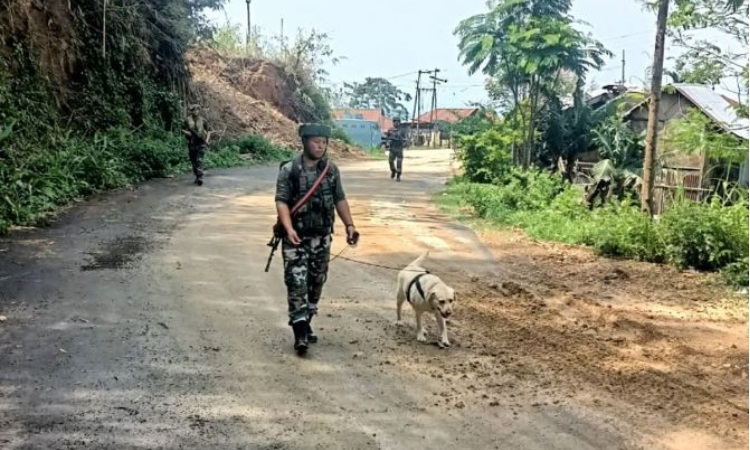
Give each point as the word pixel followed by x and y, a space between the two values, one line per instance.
pixel 431 299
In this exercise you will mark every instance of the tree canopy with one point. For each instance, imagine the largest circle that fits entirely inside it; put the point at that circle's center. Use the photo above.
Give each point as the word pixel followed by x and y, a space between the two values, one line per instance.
pixel 378 93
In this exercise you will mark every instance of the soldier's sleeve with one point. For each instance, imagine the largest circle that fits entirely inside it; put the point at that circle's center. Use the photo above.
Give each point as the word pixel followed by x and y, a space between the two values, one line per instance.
pixel 284 185
pixel 338 189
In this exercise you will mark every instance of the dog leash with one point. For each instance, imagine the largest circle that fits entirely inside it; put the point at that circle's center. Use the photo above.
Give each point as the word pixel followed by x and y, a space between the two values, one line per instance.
pixel 339 255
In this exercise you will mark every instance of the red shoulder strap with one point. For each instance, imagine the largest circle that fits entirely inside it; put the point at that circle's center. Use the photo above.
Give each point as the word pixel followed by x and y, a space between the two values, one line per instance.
pixel 308 195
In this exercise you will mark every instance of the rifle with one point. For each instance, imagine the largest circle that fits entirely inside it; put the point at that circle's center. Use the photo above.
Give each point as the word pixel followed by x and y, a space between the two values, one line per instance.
pixel 278 228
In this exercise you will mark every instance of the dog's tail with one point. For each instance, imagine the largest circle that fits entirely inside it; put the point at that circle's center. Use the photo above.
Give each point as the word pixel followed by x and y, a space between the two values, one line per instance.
pixel 420 260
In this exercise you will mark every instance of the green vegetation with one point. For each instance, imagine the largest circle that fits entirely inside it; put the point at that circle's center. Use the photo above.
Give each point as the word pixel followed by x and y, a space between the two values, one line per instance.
pixel 375 93
pixel 701 236
pixel 339 134
pixel 529 49
pixel 534 59
pixel 38 179
pixel 100 111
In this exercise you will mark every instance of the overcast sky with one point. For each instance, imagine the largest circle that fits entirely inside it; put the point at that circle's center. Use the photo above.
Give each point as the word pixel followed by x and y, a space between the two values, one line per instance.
pixel 395 38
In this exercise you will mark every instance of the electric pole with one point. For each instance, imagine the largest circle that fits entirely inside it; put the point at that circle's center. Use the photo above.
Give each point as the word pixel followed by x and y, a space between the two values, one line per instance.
pixel 417 111
pixel 414 115
pixel 647 191
pixel 623 68
pixel 433 111
pixel 435 82
pixel 249 24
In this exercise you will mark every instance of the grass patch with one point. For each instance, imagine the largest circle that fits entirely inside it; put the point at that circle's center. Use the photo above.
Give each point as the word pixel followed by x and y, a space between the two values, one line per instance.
pixel 703 236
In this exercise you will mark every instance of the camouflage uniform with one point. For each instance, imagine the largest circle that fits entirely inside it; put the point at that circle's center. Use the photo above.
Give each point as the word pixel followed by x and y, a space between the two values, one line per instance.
pixel 396 151
pixel 306 266
pixel 197 142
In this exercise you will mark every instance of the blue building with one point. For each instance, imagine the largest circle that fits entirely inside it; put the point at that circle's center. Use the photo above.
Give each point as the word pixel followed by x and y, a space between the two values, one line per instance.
pixel 364 133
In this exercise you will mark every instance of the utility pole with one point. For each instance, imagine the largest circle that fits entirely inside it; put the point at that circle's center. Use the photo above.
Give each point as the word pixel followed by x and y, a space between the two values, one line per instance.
pixel 249 24
pixel 623 68
pixel 417 111
pixel 433 111
pixel 647 192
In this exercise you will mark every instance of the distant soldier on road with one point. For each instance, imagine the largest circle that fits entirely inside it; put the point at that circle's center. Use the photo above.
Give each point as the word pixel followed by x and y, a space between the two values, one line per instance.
pixel 197 133
pixel 396 139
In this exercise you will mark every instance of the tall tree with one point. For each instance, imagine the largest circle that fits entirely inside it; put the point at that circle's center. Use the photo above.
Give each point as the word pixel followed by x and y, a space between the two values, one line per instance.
pixel 526 46
pixel 647 193
pixel 704 61
pixel 378 93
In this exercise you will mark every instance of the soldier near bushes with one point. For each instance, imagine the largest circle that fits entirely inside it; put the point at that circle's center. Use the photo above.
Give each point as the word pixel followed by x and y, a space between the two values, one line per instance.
pixel 306 246
pixel 197 134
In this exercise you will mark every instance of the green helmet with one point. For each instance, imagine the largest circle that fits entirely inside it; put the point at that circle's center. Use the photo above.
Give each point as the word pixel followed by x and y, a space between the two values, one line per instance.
pixel 314 129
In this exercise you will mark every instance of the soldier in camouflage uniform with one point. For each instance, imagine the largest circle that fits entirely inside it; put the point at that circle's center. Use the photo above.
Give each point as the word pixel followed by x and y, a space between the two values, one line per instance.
pixel 196 131
pixel 397 141
pixel 306 248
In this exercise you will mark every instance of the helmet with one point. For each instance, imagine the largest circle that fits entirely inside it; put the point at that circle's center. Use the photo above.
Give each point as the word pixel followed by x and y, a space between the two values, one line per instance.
pixel 314 129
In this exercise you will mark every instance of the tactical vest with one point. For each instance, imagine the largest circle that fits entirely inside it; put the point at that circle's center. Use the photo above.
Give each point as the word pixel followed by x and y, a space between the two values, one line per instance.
pixel 317 217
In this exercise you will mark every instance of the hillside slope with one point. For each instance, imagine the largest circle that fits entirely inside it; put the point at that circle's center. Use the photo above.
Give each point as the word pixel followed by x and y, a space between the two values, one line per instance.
pixel 243 96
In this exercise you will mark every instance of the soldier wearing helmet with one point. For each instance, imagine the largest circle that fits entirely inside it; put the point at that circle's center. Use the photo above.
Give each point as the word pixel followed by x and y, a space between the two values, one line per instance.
pixel 306 247
pixel 197 133
pixel 397 142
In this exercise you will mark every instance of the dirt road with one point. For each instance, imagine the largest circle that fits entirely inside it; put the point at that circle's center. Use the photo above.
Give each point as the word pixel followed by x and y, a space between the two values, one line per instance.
pixel 143 319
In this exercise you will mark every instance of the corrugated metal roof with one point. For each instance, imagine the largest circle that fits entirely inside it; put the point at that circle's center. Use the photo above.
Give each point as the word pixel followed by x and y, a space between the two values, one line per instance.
pixel 717 107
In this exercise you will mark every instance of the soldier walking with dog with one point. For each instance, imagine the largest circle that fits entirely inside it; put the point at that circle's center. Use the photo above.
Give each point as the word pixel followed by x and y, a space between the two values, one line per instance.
pixel 197 134
pixel 309 193
pixel 396 144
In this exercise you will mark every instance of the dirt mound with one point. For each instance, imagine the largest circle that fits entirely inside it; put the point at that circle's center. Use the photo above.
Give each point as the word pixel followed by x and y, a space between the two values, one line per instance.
pixel 48 30
pixel 246 96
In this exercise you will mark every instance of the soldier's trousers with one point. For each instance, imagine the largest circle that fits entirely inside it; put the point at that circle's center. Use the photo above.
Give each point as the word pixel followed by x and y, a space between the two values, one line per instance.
pixel 195 152
pixel 395 157
pixel 305 273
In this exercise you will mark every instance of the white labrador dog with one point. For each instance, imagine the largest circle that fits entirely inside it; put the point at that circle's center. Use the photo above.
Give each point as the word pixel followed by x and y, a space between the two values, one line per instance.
pixel 426 293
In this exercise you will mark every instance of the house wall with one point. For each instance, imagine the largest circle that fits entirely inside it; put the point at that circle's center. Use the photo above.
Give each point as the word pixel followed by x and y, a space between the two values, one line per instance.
pixel 673 106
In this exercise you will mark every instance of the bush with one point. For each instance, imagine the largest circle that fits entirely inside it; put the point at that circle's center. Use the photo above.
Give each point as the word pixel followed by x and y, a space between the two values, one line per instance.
pixel 339 134
pixel 624 231
pixel 736 274
pixel 486 157
pixel 257 147
pixel 704 236
pixel 36 180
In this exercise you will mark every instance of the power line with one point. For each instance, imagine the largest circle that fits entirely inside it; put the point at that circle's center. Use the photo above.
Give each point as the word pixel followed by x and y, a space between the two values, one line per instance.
pixel 400 76
pixel 625 36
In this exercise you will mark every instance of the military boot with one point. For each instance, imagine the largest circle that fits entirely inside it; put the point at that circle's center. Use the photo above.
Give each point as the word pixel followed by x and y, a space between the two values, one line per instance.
pixel 393 174
pixel 398 176
pixel 300 336
pixel 311 337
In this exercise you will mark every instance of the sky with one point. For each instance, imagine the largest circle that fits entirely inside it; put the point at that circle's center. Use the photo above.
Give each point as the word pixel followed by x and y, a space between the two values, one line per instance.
pixel 394 39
